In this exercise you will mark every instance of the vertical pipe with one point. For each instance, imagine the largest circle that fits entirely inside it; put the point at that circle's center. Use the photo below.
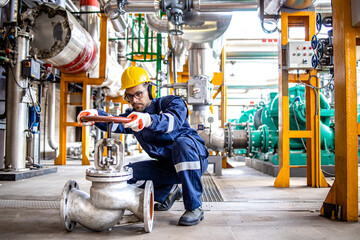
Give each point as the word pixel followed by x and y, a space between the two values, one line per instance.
pixel 223 91
pixel 13 10
pixel 51 118
pixel 16 119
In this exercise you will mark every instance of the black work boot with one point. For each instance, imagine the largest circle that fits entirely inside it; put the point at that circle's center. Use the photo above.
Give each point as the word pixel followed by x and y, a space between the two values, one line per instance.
pixel 169 201
pixel 190 218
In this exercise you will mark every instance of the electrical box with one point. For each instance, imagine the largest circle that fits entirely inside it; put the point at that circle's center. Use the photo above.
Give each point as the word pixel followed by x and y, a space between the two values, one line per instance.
pixel 299 55
pixel 31 69
pixel 199 91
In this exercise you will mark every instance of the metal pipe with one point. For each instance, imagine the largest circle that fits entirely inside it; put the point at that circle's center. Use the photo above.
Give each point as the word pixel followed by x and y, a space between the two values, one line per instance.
pixel 223 110
pixel 299 4
pixel 3 3
pixel 112 11
pixel 75 54
pixel 323 6
pixel 17 118
pixel 51 118
pixel 13 10
pixel 91 21
pixel 224 5
pixel 105 205
pixel 61 3
pixel 156 24
pixel 142 6
pixel 72 7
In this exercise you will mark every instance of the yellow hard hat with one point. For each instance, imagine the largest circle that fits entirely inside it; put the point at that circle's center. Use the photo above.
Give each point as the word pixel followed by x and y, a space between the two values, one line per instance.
pixel 133 76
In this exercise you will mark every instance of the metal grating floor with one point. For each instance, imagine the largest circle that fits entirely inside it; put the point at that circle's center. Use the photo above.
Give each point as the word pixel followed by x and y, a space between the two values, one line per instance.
pixel 29 204
pixel 211 192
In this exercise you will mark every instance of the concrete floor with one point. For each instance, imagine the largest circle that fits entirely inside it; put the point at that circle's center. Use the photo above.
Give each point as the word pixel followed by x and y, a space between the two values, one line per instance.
pixel 252 209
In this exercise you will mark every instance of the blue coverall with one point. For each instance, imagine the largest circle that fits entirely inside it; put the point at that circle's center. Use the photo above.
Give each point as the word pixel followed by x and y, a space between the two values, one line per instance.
pixel 180 154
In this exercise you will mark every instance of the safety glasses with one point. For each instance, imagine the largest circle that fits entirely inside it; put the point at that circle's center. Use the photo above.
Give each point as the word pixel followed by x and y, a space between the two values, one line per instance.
pixel 137 95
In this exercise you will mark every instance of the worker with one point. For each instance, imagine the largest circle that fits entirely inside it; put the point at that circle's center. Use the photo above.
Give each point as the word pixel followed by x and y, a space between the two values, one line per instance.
pixel 161 127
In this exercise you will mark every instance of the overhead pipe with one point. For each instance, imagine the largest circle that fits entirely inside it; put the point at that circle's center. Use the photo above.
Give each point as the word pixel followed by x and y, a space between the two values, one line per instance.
pixel 156 24
pixel 71 6
pixel 73 54
pixel 13 10
pixel 299 4
pixel 3 3
pixel 224 5
pixel 117 19
pixel 51 116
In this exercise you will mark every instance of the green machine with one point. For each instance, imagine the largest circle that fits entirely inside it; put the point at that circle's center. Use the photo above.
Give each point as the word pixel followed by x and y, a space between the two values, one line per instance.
pixel 263 137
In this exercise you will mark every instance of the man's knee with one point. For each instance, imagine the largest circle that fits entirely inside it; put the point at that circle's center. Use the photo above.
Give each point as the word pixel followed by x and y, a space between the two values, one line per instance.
pixel 183 144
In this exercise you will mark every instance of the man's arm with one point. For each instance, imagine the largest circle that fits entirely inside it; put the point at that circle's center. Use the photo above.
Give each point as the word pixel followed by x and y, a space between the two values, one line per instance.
pixel 116 127
pixel 174 113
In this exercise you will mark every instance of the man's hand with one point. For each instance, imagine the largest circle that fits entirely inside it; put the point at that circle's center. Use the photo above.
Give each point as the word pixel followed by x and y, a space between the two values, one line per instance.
pixel 139 121
pixel 90 112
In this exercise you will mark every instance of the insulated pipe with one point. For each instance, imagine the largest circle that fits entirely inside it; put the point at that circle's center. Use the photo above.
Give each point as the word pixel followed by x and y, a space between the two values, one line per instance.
pixel 156 24
pixel 112 11
pixel 142 6
pixel 13 10
pixel 17 109
pixel 91 20
pixel 61 3
pixel 201 60
pixel 72 6
pixel 3 3
pixel 70 48
pixel 224 5
pixel 51 118
pixel 299 4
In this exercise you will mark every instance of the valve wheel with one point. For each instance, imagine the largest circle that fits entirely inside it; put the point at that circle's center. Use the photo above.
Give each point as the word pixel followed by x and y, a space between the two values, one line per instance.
pixel 314 61
pixel 66 222
pixel 314 42
pixel 148 206
pixel 318 22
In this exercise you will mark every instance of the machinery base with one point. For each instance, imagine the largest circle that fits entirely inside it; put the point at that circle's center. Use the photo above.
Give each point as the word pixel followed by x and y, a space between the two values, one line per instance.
pixel 273 170
pixel 19 175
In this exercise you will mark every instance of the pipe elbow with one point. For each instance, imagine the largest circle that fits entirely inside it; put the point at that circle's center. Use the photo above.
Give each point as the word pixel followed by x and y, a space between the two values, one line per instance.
pixel 156 24
pixel 77 207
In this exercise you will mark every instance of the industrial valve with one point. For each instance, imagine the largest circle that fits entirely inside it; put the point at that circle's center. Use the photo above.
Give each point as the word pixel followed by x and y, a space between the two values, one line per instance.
pixel 323 47
pixel 110 194
pixel 174 11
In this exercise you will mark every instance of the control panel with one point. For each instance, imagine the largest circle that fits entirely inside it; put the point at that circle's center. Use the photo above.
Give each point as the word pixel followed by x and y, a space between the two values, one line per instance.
pixel 299 55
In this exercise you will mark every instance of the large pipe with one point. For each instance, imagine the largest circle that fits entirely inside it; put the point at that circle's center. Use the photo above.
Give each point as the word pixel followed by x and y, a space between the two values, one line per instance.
pixel 17 114
pixel 156 24
pixel 70 48
pixel 51 118
pixel 71 6
pixel 110 195
pixel 91 20
pixel 112 12
pixel 105 205
pixel 142 6
pixel 13 13
pixel 224 5
pixel 3 3
pixel 299 4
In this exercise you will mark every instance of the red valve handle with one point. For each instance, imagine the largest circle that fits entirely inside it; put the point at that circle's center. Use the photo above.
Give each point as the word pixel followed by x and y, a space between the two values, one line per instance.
pixel 106 119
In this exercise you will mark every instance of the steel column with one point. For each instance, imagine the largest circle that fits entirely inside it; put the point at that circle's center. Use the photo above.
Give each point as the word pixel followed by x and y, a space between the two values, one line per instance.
pixel 342 199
